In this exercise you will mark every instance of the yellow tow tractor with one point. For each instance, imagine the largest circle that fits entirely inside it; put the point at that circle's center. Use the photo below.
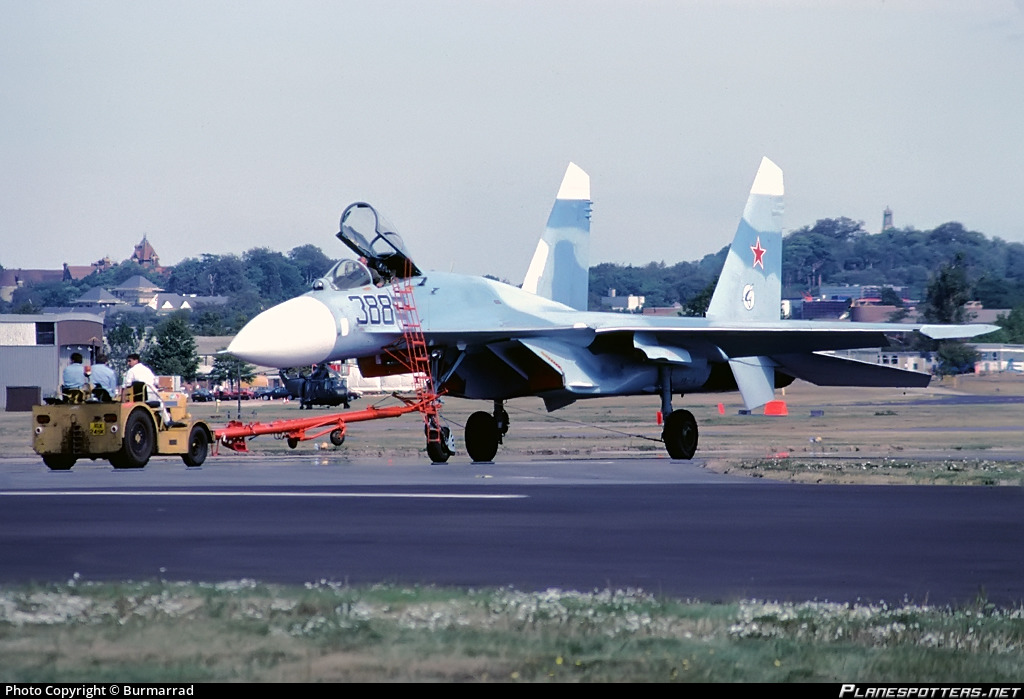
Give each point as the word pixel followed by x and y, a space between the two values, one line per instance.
pixel 89 425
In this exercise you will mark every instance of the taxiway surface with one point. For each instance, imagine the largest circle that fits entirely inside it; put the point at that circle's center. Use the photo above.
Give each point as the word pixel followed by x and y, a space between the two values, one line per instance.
pixel 666 527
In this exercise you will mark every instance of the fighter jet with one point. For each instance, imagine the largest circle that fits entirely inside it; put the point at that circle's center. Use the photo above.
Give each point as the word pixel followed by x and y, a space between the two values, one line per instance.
pixel 492 341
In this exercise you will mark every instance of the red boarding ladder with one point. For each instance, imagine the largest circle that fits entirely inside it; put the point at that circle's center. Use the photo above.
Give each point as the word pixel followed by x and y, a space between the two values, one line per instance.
pixel 415 357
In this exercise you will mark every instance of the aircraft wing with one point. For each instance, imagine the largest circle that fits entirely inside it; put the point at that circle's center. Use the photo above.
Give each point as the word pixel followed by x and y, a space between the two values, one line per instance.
pixel 790 336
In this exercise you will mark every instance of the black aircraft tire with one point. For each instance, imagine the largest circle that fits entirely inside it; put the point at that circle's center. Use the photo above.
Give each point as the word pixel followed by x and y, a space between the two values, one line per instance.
pixel 59 462
pixel 482 436
pixel 680 434
pixel 198 446
pixel 438 451
pixel 139 441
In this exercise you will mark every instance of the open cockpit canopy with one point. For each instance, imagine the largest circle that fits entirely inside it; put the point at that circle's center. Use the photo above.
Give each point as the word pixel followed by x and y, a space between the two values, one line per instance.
pixel 376 242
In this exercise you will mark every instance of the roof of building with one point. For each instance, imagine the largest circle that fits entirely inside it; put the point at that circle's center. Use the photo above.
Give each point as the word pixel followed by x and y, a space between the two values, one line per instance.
pixel 13 277
pixel 136 283
pixel 97 295
pixel 145 254
pixel 209 345
pixel 71 314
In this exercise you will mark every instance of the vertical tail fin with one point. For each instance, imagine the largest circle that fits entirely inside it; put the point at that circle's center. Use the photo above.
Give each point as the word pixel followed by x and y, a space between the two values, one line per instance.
pixel 560 269
pixel 750 287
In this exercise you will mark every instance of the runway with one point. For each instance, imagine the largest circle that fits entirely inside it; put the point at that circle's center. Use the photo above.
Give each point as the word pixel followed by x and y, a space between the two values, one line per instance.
pixel 667 527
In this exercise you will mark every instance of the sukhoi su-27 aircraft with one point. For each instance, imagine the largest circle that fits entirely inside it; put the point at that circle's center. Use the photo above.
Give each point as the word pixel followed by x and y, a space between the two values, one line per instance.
pixel 492 341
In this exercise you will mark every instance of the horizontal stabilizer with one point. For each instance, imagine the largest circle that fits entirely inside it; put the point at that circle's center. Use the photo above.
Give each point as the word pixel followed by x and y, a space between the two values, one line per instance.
pixel 947 332
pixel 829 370
pixel 755 377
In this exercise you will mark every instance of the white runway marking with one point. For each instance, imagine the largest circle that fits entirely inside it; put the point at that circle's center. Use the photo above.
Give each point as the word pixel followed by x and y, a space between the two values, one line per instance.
pixel 260 494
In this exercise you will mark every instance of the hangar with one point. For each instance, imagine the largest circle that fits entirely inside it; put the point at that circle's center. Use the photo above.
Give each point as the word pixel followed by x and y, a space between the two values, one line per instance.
pixel 34 349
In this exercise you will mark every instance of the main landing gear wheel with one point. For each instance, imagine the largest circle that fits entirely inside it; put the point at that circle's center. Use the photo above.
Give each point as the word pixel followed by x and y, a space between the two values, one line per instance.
pixel 198 447
pixel 482 436
pixel 439 452
pixel 139 441
pixel 680 434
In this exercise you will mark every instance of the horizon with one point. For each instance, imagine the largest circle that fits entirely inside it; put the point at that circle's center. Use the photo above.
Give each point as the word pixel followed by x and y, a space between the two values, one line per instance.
pixel 238 125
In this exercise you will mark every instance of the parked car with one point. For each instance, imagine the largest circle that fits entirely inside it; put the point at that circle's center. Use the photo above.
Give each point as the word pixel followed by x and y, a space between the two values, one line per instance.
pixel 201 395
pixel 273 393
pixel 235 394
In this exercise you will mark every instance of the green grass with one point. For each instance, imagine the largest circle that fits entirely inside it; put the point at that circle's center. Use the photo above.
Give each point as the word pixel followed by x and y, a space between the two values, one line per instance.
pixel 244 631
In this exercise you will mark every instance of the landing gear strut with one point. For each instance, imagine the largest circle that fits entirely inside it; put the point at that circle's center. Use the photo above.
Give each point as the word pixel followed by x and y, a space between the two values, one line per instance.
pixel 680 432
pixel 485 432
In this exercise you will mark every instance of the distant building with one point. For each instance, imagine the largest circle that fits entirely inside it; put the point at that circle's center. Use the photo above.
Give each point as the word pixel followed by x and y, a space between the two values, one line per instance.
pixel 136 291
pixel 992 358
pixel 827 309
pixel 976 313
pixel 887 220
pixel 35 350
pixel 835 292
pixel 876 313
pixel 622 304
pixel 912 361
pixel 674 310
pixel 13 279
pixel 97 296
pixel 145 255
pixel 169 303
pixel 996 358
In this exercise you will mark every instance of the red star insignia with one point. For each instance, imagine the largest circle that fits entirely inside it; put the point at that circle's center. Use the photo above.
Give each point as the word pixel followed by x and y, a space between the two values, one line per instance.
pixel 758 253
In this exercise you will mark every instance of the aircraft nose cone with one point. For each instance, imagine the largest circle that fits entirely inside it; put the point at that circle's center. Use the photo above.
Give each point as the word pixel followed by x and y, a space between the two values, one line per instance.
pixel 293 333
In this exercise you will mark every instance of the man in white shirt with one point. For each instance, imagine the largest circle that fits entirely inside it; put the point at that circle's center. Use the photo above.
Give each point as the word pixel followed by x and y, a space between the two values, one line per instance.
pixel 139 372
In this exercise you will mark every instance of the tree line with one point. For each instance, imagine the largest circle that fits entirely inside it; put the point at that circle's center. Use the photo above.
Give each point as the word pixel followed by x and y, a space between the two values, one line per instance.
pixel 839 252
pixel 250 283
pixel 832 251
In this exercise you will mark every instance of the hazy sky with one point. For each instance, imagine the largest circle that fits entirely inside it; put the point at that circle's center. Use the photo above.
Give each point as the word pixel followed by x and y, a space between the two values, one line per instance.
pixel 221 126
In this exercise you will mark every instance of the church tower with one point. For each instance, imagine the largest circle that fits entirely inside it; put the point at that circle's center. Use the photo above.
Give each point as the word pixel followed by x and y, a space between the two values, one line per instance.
pixel 145 255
